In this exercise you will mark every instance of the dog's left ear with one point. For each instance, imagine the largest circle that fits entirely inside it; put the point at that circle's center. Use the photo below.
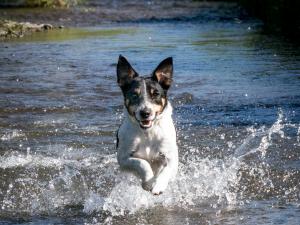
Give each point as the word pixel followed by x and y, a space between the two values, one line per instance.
pixel 163 73
pixel 125 72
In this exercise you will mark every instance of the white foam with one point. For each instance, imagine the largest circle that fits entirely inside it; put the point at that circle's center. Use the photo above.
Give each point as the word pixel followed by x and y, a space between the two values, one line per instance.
pixel 29 160
pixel 265 135
pixel 197 180
pixel 12 135
pixel 36 160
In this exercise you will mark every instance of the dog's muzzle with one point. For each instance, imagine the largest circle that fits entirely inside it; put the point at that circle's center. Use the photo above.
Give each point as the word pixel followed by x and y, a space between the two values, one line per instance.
pixel 145 118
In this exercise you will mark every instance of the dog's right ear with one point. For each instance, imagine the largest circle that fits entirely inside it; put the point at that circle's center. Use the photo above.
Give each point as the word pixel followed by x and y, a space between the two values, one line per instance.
pixel 125 72
pixel 163 73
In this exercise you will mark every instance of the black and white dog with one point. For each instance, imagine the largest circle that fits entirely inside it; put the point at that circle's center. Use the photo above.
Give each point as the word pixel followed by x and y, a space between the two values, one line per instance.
pixel 146 140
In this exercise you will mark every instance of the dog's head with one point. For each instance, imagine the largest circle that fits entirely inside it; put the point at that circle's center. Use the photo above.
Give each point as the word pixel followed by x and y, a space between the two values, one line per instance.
pixel 145 98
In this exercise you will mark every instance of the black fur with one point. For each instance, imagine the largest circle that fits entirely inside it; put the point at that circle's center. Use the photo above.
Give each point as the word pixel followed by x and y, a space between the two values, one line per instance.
pixel 133 86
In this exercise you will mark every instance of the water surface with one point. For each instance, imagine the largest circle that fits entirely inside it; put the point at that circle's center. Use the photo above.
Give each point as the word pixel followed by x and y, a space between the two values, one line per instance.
pixel 236 105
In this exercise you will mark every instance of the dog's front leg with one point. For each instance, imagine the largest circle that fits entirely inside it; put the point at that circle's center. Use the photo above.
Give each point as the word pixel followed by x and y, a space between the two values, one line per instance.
pixel 141 166
pixel 162 178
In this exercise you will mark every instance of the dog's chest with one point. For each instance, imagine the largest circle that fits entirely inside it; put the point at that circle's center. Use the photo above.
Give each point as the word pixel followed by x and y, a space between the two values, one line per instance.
pixel 147 146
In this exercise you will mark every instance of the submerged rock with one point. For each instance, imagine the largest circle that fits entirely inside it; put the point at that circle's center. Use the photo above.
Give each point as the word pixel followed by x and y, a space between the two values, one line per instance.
pixel 11 29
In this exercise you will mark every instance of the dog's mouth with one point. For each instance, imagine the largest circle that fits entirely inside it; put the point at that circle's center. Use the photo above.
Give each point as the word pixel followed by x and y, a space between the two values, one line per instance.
pixel 145 124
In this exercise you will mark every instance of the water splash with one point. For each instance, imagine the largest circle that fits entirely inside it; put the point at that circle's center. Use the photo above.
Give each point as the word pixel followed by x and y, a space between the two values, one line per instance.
pixel 12 135
pixel 197 181
pixel 200 181
pixel 265 136
pixel 95 182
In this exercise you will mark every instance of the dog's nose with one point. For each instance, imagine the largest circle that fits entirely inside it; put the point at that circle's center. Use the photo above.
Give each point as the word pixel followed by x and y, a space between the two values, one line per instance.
pixel 145 113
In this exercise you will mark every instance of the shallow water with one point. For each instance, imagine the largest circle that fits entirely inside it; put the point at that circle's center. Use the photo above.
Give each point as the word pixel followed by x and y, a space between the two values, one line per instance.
pixel 236 107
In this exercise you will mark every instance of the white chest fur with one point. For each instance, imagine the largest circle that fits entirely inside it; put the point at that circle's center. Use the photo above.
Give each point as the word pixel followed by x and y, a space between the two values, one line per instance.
pixel 148 143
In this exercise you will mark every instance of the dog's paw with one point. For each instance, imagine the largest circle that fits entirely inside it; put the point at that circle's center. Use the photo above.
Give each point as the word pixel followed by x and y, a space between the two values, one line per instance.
pixel 160 160
pixel 148 185
pixel 154 186
pixel 159 188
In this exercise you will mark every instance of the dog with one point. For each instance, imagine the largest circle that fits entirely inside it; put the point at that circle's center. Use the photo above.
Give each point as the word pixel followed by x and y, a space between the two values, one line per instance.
pixel 146 139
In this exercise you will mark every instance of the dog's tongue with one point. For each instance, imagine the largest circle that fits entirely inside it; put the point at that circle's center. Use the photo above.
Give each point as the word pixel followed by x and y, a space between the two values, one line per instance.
pixel 146 122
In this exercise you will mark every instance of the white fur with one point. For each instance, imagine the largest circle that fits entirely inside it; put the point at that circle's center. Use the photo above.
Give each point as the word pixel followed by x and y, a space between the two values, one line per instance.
pixel 152 152
pixel 145 104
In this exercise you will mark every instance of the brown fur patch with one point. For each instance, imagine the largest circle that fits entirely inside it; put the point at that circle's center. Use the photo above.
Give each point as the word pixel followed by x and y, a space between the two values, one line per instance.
pixel 159 108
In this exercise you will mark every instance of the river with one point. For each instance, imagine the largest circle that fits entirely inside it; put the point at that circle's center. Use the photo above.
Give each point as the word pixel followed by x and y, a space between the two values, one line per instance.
pixel 236 99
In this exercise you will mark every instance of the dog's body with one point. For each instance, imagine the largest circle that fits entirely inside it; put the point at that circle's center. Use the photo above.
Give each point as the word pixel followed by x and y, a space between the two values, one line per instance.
pixel 147 137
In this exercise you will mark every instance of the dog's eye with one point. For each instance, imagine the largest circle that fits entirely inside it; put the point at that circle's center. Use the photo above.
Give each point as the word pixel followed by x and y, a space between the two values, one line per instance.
pixel 135 95
pixel 155 94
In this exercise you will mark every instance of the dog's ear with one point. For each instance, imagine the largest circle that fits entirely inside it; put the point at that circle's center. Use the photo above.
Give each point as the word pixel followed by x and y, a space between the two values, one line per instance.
pixel 163 73
pixel 125 72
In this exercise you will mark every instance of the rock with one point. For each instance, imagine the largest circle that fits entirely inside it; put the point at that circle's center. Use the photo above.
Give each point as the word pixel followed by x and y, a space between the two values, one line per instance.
pixel 47 26
pixel 10 29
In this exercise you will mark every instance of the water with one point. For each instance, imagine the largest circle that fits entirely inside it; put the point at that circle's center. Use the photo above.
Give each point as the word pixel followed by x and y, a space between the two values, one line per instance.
pixel 236 107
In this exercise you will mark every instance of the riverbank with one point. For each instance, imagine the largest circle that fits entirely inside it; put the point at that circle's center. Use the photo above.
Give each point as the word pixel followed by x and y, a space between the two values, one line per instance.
pixel 94 13
pixel 279 17
pixel 97 12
